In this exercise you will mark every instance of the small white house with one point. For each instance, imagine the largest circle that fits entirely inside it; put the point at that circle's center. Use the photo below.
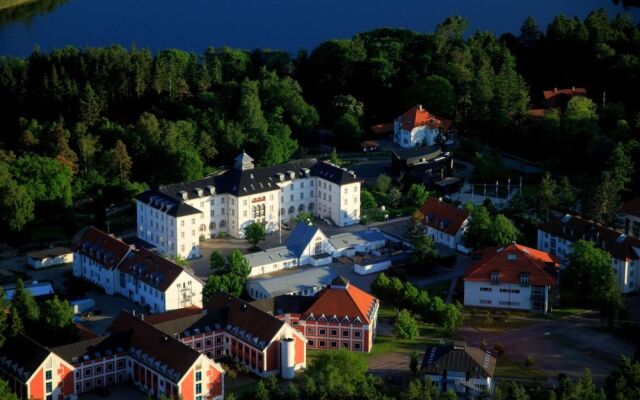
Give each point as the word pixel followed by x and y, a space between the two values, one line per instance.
pixel 49 257
pixel 37 289
pixel 348 244
pixel 418 127
pixel 271 260
pixel 444 222
pixel 468 371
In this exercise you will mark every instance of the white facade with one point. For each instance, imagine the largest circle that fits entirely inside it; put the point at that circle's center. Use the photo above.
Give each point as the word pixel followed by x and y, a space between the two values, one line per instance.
pixel 445 239
pixel 203 213
pixel 184 291
pixel 459 383
pixel 417 136
pixel 503 295
pixel 626 270
pixel 41 259
pixel 632 224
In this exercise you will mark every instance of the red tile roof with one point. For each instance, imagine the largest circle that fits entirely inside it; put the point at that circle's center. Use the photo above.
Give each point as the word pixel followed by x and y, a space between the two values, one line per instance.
pixel 442 216
pixel 382 128
pixel 342 299
pixel 580 91
pixel 102 247
pixel 513 260
pixel 632 207
pixel 418 116
pixel 574 228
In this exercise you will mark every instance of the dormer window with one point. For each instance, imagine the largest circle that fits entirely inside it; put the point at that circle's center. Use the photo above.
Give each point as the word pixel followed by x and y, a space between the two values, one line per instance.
pixel 524 279
pixel 495 277
pixel 512 257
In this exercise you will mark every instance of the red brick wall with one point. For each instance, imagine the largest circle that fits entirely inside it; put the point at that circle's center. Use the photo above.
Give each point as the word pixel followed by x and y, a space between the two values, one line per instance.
pixel 36 387
pixel 186 388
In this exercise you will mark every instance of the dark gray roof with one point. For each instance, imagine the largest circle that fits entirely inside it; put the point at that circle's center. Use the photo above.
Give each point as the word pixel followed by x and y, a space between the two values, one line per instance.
pixel 20 356
pixel 165 203
pixel 425 152
pixel 98 347
pixel 458 357
pixel 285 304
pixel 253 180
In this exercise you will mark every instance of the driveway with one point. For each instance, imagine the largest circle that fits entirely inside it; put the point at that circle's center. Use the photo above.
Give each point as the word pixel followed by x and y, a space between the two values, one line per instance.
pixel 110 307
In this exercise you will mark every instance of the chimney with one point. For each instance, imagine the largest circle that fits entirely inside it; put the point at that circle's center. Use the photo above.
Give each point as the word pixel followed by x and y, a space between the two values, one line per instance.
pixel 142 316
pixel 555 89
pixel 420 107
pixel 573 88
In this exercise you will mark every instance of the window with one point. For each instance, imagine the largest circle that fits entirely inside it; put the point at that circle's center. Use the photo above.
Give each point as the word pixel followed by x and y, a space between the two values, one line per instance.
pixel 486 289
pixel 345 333
pixel 49 387
pixel 357 334
pixel 524 279
pixel 357 346
pixel 198 388
pixel 310 343
pixel 334 332
pixel 322 331
pixel 47 375
pixel 495 275
pixel 322 343
pixel 334 344
pixel 311 331
pixel 198 376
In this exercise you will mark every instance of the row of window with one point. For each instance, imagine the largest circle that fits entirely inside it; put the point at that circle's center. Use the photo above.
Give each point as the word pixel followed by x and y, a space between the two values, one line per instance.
pixel 333 332
pixel 333 344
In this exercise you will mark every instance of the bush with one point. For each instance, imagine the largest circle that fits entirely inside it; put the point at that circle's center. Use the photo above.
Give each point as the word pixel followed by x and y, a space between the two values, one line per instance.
pixel 529 361
pixel 406 326
pixel 499 349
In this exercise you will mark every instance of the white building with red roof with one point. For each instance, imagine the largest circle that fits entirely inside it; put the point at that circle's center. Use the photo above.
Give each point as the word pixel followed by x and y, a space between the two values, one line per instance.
pixel 138 274
pixel 339 316
pixel 514 277
pixel 418 127
pixel 444 222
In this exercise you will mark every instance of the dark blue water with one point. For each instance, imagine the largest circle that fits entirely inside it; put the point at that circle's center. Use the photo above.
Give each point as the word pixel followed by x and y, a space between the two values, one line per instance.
pixel 277 24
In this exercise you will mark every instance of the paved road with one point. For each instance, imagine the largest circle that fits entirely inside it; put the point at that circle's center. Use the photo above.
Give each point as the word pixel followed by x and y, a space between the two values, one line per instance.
pixel 559 346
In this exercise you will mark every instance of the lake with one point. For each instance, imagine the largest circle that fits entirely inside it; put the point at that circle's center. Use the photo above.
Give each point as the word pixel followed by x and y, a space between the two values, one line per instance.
pixel 277 24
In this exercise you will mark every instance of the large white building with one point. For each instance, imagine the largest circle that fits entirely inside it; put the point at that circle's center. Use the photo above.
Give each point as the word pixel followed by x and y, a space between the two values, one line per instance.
pixel 138 274
pixel 514 277
pixel 558 236
pixel 174 218
pixel 418 127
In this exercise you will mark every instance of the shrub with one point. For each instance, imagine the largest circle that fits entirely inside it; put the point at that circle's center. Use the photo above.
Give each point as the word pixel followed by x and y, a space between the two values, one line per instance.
pixel 529 361
pixel 498 349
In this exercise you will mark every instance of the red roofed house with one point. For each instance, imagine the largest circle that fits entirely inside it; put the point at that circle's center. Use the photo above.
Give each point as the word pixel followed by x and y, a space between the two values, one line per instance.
pixel 514 277
pixel 33 372
pixel 418 127
pixel 558 98
pixel 230 327
pixel 631 217
pixel 339 316
pixel 444 222
pixel 138 274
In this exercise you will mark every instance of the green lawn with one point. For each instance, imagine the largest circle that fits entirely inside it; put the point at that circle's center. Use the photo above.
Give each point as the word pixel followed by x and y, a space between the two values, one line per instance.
pixel 499 326
pixel 506 368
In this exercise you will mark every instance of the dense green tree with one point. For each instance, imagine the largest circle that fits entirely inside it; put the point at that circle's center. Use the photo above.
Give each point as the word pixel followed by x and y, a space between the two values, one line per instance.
pixel 261 392
pixel 24 304
pixel 383 183
pixel 623 382
pixel 238 264
pixel 394 197
pixel 503 232
pixel 437 95
pixel 417 195
pixel 325 377
pixel 367 201
pixel 5 391
pixel 413 362
pixel 90 106
pixel 452 318
pixel 424 251
pixel 229 283
pixel 478 233
pixel 14 325
pixel 304 217
pixel 254 233
pixel 217 262
pixel 56 317
pixel 121 160
pixel 406 326
pixel 45 179
pixel 17 204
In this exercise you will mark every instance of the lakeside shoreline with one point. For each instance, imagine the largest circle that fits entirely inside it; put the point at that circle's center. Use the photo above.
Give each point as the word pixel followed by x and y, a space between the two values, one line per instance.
pixel 9 4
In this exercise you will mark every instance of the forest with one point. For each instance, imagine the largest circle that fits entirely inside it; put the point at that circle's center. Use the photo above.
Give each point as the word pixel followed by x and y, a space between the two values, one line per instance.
pixel 92 127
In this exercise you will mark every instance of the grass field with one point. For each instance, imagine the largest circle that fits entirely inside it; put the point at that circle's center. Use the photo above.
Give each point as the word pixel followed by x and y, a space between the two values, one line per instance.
pixel 506 368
